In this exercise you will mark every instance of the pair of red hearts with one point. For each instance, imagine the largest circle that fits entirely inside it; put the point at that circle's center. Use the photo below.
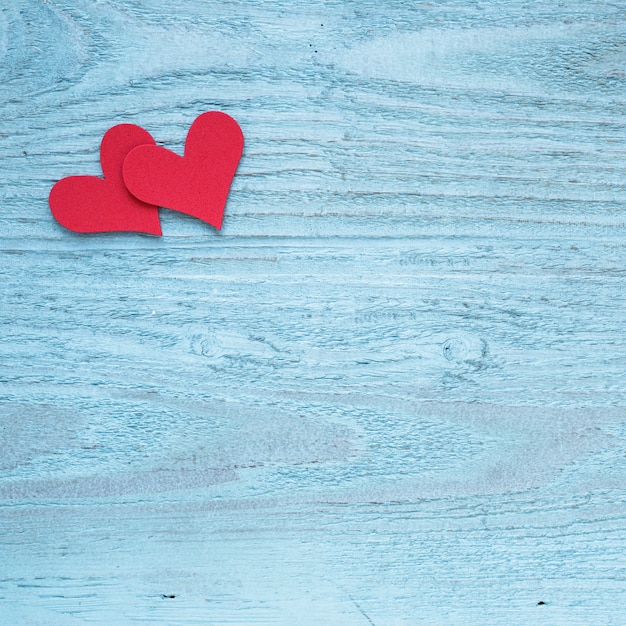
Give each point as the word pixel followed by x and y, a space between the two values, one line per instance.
pixel 140 176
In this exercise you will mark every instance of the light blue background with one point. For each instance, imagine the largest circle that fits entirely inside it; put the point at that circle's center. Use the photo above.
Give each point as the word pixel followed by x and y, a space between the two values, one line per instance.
pixel 391 389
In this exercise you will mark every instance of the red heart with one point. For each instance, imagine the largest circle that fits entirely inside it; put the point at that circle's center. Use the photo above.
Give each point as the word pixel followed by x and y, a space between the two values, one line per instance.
pixel 196 184
pixel 88 204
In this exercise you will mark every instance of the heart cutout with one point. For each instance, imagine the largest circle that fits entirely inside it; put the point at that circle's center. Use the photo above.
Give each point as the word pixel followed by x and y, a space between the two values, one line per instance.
pixel 196 184
pixel 89 204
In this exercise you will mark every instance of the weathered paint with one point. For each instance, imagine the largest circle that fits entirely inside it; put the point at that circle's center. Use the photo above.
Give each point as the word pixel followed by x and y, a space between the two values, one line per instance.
pixel 391 389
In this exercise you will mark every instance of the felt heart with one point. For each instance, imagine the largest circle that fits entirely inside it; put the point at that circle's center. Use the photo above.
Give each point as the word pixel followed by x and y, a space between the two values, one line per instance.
pixel 88 204
pixel 196 184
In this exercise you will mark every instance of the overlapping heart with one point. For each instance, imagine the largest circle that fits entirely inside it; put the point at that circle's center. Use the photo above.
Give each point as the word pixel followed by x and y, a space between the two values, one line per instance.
pixel 140 176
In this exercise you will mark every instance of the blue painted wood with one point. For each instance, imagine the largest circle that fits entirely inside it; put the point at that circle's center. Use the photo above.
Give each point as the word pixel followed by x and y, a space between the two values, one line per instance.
pixel 391 390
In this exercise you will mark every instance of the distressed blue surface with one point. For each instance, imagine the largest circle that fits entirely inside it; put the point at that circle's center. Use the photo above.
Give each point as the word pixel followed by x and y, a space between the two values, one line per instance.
pixel 390 390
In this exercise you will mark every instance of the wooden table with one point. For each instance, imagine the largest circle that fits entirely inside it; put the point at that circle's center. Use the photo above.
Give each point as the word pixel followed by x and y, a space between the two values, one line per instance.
pixel 391 390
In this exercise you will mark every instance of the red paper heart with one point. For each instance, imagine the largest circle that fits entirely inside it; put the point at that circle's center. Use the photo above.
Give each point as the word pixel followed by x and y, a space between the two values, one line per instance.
pixel 88 204
pixel 196 184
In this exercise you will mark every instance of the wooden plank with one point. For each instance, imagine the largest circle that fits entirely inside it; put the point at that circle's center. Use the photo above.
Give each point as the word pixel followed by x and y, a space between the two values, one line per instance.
pixel 390 390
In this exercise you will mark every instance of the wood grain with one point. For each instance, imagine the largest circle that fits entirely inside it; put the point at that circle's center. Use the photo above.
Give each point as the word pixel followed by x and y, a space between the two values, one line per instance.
pixel 391 390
